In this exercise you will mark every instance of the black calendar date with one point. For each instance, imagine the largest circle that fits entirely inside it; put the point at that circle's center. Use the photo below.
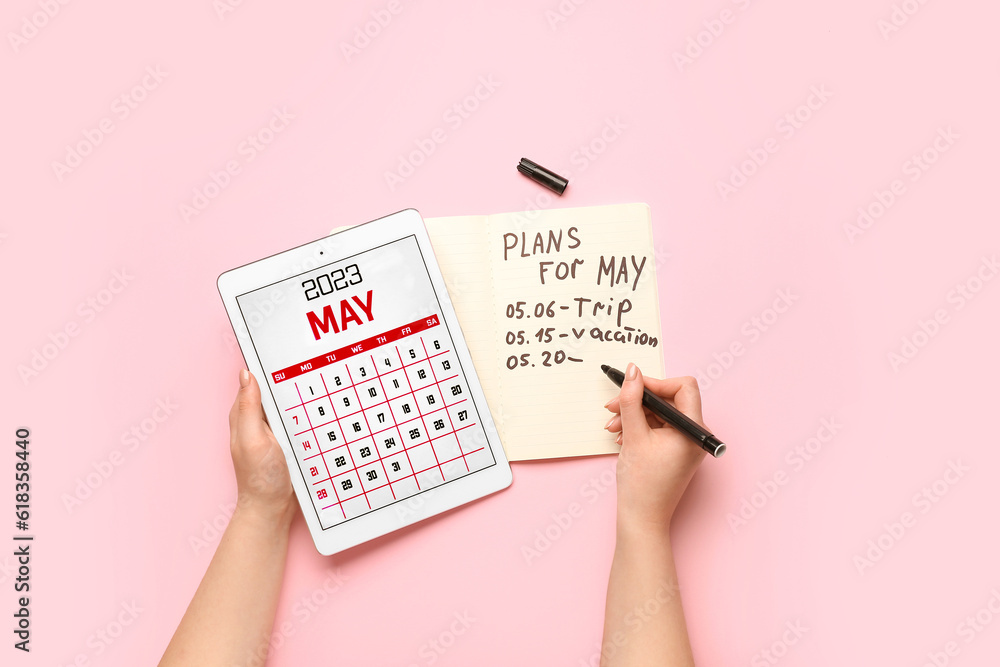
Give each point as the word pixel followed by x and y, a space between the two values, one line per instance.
pixel 328 283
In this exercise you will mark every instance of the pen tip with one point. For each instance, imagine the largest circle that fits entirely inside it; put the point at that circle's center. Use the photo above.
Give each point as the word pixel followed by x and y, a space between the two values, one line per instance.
pixel 604 368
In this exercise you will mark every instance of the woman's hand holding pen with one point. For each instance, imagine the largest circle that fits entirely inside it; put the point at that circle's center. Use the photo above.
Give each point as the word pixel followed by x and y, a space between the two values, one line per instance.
pixel 654 467
pixel 656 461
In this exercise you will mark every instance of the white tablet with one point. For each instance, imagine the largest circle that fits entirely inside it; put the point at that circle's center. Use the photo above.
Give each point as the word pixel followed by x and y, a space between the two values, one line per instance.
pixel 366 380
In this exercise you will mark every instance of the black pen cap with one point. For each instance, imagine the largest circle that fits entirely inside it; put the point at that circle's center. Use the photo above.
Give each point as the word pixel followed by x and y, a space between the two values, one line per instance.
pixel 540 174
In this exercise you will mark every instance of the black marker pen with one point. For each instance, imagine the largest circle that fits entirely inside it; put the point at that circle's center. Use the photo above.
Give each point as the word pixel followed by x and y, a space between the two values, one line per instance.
pixel 672 416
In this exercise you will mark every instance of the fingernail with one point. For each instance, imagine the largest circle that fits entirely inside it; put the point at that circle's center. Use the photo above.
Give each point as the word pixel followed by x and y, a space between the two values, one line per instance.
pixel 631 371
pixel 244 378
pixel 609 422
pixel 619 439
pixel 608 403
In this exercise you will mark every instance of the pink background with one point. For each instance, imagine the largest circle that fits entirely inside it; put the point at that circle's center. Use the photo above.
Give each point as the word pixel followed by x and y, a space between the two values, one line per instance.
pixel 682 130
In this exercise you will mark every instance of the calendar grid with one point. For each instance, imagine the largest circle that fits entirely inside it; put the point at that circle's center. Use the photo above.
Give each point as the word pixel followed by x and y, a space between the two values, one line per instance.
pixel 421 416
pixel 447 414
pixel 350 414
pixel 409 462
pixel 374 444
pixel 320 398
pixel 345 445
pixel 404 366
pixel 420 412
pixel 330 477
pixel 337 421
pixel 309 421
pixel 412 474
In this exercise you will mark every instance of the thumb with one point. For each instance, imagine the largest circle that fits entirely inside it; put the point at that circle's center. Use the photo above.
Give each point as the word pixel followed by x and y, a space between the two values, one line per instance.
pixel 250 415
pixel 630 399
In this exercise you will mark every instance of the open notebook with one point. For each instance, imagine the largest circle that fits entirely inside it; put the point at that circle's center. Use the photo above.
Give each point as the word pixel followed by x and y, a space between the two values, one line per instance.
pixel 555 267
pixel 544 298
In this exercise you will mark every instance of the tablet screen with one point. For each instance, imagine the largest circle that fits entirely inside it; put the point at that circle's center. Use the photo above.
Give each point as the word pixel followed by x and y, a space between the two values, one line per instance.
pixel 363 370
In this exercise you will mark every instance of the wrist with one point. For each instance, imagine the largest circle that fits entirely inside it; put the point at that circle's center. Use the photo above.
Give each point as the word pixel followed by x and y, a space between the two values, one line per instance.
pixel 632 528
pixel 266 515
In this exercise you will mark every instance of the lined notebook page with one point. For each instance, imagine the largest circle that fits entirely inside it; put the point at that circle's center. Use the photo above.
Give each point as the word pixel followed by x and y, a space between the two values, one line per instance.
pixel 595 303
pixel 462 253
